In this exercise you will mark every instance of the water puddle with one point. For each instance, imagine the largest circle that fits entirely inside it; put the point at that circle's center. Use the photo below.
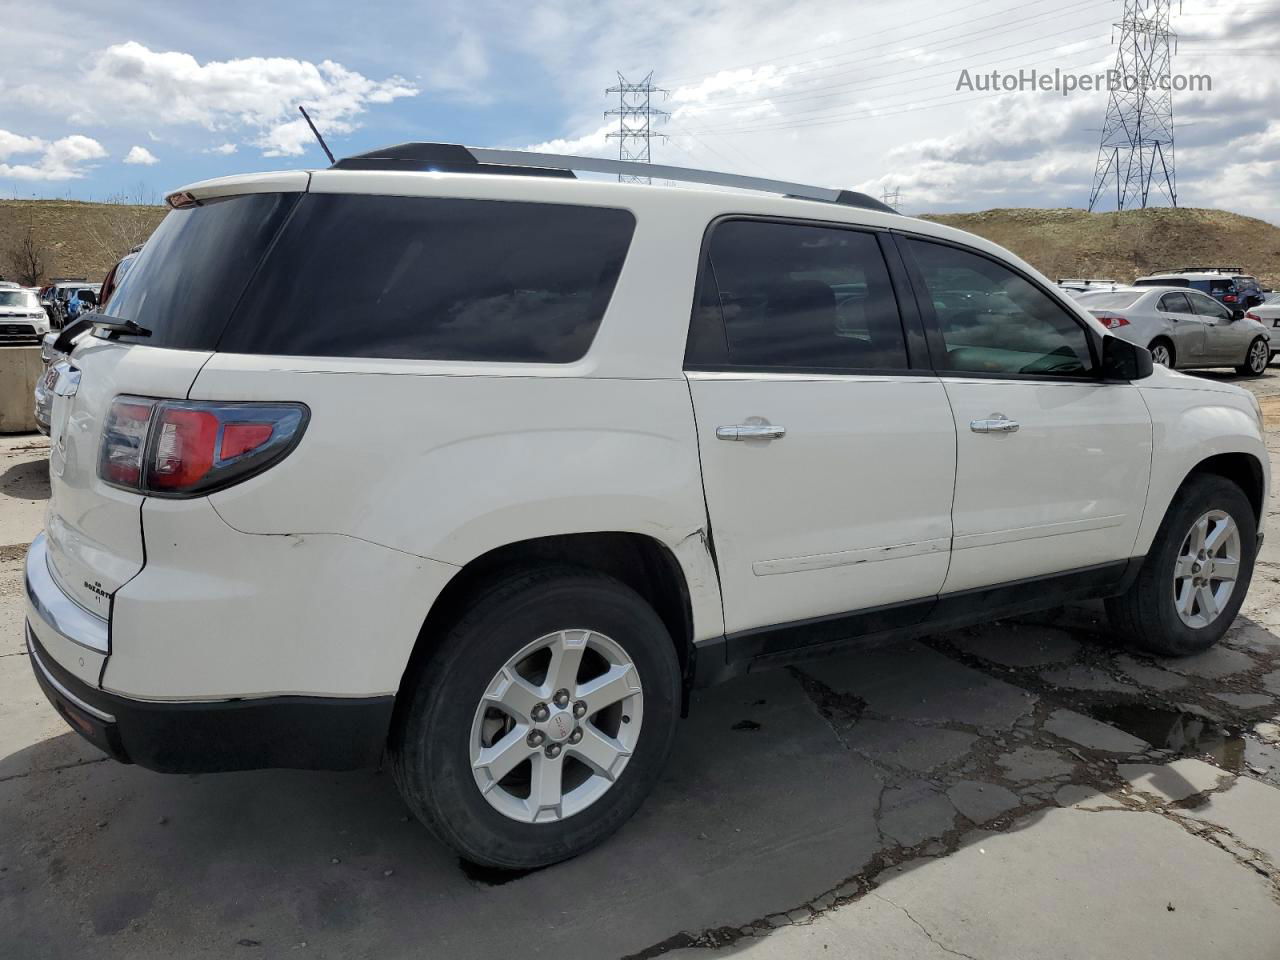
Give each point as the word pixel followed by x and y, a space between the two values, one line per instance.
pixel 1186 734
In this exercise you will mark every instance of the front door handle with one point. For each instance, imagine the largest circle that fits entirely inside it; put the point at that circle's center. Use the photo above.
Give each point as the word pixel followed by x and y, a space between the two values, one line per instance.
pixel 996 423
pixel 756 428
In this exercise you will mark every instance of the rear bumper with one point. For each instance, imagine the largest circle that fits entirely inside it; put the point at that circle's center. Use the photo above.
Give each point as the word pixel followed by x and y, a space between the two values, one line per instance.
pixel 306 733
pixel 68 648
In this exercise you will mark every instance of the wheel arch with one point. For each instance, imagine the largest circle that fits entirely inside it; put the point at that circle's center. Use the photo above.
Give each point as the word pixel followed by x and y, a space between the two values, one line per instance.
pixel 1242 469
pixel 642 562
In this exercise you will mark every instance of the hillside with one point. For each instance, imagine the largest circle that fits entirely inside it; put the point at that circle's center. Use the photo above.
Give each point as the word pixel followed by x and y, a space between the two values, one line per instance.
pixel 1121 246
pixel 84 239
pixel 80 239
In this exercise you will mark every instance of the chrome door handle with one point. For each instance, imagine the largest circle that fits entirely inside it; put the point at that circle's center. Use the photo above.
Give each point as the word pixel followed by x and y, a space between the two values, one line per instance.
pixel 753 429
pixel 996 423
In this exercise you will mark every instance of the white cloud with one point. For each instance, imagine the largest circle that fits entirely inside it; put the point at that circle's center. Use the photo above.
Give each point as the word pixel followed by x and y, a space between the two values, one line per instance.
pixel 140 155
pixel 223 149
pixel 257 95
pixel 65 159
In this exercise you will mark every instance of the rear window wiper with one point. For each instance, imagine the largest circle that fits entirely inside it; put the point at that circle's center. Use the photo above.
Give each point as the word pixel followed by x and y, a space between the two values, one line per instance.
pixel 107 327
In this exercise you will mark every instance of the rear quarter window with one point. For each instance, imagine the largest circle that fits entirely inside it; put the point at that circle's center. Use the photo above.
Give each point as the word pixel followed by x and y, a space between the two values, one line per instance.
pixel 355 275
pixel 186 281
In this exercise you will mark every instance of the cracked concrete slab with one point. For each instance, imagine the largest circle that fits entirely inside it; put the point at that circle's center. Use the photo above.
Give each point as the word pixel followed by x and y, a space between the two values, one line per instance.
pixel 1082 677
pixel 982 802
pixel 902 744
pixel 1174 781
pixel 1088 732
pixel 911 681
pixel 1014 644
pixel 1149 675
pixel 1213 664
pixel 915 812
pixel 1034 763
pixel 1251 812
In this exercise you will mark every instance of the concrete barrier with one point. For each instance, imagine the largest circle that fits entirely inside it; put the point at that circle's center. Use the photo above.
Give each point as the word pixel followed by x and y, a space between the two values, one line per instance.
pixel 20 368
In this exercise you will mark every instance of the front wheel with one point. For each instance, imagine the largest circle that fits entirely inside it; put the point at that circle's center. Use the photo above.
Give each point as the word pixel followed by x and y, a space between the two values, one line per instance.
pixel 1256 360
pixel 542 720
pixel 1196 574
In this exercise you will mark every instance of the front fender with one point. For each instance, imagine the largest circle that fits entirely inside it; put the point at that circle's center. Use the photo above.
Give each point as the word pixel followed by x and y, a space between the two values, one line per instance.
pixel 1188 427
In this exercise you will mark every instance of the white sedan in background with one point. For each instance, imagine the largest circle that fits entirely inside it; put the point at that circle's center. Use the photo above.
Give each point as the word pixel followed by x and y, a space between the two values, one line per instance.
pixel 1184 328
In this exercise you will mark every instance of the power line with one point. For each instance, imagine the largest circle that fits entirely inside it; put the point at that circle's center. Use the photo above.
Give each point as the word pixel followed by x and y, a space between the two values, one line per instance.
pixel 841 43
pixel 1136 149
pixel 636 114
pixel 953 40
pixel 890 79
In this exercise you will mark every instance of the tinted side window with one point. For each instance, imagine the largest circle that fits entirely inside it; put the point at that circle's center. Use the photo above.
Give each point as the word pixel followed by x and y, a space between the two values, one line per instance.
pixel 1208 307
pixel 994 321
pixel 434 278
pixel 1175 303
pixel 187 279
pixel 804 297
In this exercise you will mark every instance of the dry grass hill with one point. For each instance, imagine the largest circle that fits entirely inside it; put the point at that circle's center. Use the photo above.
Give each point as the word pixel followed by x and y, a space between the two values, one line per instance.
pixel 1121 246
pixel 79 239
pixel 84 239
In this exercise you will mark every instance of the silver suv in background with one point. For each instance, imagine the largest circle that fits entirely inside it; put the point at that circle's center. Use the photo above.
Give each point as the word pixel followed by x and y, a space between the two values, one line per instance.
pixel 1183 328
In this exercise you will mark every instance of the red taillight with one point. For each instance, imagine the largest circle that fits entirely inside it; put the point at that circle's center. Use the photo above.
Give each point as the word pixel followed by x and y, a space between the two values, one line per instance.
pixel 1250 315
pixel 240 438
pixel 1229 298
pixel 124 442
pixel 1112 320
pixel 186 443
pixel 180 448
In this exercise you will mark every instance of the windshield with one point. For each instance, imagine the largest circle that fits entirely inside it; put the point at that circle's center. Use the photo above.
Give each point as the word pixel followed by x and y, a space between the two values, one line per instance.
pixel 18 298
pixel 1109 299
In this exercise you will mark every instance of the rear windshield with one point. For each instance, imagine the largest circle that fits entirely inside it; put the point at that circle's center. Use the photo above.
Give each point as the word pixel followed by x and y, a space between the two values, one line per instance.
pixel 1109 300
pixel 187 279
pixel 434 278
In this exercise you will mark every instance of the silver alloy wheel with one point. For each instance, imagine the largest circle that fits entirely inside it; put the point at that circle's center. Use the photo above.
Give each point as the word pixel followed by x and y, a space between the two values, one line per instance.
pixel 1205 573
pixel 1259 356
pixel 556 726
pixel 1160 355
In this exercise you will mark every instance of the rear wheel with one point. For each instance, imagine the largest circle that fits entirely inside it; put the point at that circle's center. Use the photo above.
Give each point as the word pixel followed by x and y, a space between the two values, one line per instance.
pixel 1256 360
pixel 1162 353
pixel 542 720
pixel 1196 574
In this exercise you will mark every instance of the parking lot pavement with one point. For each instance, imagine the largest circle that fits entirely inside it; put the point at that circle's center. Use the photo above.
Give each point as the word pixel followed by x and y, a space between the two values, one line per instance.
pixel 1025 789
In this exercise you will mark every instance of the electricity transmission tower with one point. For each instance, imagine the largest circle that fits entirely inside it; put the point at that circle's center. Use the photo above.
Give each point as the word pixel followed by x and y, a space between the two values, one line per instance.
pixel 1136 150
pixel 891 197
pixel 636 116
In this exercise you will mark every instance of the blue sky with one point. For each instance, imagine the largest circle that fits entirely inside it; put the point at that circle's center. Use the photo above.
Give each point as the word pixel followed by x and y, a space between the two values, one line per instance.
pixel 105 98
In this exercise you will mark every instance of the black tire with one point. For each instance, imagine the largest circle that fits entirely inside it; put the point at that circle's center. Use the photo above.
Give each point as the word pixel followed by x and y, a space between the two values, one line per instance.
pixel 1162 342
pixel 430 743
pixel 1145 615
pixel 1255 364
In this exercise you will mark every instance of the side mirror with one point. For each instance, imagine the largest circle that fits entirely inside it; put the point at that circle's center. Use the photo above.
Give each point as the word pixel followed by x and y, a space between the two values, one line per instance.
pixel 1237 314
pixel 1122 360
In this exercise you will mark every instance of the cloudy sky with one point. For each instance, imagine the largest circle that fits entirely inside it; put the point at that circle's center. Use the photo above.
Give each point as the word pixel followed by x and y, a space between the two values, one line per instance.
pixel 101 98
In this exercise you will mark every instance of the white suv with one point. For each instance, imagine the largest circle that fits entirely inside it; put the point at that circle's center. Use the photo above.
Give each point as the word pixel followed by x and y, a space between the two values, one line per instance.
pixel 448 454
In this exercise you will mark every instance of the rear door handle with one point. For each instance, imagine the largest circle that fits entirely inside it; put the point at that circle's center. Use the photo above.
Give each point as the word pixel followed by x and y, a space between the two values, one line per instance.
pixel 996 423
pixel 756 428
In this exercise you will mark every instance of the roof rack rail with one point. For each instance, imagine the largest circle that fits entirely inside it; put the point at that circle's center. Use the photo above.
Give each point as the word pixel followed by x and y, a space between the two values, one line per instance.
pixel 455 158
pixel 1211 269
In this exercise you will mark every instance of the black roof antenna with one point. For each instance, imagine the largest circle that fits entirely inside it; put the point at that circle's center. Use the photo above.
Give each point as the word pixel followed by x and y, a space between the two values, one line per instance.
pixel 323 146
